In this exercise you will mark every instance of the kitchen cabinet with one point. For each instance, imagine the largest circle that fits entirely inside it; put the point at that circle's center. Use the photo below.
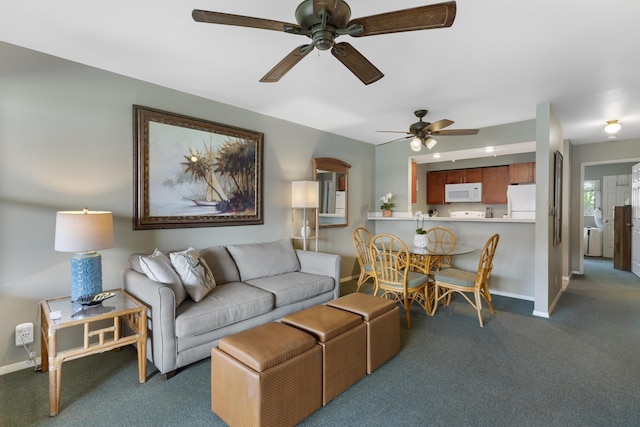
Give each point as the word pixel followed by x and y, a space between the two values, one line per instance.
pixel 464 175
pixel 435 187
pixel 495 181
pixel 522 173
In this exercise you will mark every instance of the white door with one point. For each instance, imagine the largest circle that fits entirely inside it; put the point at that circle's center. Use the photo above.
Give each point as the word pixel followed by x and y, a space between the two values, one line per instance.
pixel 635 219
pixel 616 190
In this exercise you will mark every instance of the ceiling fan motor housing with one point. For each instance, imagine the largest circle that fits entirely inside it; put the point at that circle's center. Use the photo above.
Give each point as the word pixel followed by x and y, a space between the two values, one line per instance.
pixel 323 37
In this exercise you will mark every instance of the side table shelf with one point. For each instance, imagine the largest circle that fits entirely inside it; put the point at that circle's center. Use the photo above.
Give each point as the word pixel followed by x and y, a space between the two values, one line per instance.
pixel 96 338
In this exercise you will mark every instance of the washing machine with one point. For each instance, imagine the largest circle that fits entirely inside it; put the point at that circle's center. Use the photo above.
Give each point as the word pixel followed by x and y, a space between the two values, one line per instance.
pixel 592 241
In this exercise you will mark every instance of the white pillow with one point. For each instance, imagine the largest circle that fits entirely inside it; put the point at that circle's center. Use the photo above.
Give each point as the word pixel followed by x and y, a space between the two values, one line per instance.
pixel 196 276
pixel 158 268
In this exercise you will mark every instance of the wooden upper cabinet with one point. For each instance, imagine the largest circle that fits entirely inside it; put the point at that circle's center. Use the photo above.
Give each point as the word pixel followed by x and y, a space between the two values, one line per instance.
pixel 522 173
pixel 495 181
pixel 435 187
pixel 464 175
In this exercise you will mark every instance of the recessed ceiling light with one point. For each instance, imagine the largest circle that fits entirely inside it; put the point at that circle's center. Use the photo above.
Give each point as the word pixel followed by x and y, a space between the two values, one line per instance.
pixel 436 156
pixel 489 149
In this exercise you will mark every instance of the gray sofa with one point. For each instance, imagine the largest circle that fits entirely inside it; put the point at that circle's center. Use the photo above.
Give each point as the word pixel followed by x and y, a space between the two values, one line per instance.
pixel 254 283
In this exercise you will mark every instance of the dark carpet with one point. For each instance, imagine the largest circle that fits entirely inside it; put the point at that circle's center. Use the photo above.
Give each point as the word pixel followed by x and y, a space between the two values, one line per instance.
pixel 581 367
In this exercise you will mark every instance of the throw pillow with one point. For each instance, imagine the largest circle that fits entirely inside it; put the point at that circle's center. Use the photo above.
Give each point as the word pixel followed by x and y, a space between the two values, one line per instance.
pixel 196 276
pixel 158 268
pixel 266 259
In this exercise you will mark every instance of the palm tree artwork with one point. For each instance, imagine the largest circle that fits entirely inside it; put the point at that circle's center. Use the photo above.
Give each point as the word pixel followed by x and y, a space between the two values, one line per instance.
pixel 222 178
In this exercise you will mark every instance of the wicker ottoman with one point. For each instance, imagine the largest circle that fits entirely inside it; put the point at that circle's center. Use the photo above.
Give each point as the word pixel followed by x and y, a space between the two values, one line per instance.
pixel 342 336
pixel 270 375
pixel 382 319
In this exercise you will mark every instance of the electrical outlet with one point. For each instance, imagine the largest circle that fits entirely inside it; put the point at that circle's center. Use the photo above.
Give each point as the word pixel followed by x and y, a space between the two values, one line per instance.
pixel 24 334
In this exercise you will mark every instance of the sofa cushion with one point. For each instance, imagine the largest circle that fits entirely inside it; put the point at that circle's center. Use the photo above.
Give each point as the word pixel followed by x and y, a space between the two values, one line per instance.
pixel 221 264
pixel 264 259
pixel 196 276
pixel 224 305
pixel 158 268
pixel 294 287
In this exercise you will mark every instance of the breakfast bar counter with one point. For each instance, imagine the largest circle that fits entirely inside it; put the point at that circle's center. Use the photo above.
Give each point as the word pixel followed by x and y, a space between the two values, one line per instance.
pixel 513 271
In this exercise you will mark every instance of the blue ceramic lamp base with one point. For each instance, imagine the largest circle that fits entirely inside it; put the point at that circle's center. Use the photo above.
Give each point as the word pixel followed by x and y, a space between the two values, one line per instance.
pixel 86 274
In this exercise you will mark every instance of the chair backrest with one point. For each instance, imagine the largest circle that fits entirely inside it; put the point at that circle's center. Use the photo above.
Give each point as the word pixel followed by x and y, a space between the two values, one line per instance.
pixel 390 259
pixel 485 265
pixel 361 239
pixel 441 238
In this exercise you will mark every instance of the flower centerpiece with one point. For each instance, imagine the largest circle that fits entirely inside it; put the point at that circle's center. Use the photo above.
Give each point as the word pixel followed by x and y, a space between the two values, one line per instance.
pixel 420 239
pixel 386 205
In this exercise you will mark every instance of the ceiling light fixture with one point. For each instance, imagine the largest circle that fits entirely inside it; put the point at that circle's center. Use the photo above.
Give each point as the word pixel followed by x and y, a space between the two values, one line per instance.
pixel 612 126
pixel 430 143
pixel 416 144
pixel 489 149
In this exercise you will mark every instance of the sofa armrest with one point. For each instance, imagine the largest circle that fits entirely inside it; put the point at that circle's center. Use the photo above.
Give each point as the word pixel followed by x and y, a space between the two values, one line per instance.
pixel 321 263
pixel 160 302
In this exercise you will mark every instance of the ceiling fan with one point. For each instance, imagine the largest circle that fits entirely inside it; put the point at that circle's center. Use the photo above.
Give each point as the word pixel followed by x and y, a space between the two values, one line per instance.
pixel 422 132
pixel 325 20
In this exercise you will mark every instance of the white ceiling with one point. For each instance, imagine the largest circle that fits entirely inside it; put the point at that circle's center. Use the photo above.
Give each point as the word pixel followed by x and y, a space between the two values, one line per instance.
pixel 498 61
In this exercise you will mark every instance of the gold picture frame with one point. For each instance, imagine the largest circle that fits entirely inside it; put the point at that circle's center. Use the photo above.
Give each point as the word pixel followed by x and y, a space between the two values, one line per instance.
pixel 190 172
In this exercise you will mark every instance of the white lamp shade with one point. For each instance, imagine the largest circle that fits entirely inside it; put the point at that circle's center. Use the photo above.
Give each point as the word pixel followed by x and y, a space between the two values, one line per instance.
pixel 83 231
pixel 416 144
pixel 305 194
pixel 431 143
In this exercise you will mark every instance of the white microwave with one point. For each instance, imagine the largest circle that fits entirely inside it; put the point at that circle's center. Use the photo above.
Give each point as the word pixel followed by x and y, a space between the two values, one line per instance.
pixel 467 192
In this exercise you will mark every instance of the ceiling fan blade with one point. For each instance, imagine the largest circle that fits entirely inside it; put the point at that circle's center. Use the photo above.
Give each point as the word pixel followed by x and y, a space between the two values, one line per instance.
pixel 440 124
pixel 395 140
pixel 455 132
pixel 356 63
pixel 287 63
pixel 241 21
pixel 394 131
pixel 439 15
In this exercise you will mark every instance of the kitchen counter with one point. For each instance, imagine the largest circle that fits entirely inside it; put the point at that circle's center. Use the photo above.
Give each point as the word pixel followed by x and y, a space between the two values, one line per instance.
pixel 407 216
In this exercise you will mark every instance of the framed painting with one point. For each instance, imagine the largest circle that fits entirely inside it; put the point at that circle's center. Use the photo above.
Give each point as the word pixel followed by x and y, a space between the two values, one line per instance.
pixel 191 172
pixel 557 199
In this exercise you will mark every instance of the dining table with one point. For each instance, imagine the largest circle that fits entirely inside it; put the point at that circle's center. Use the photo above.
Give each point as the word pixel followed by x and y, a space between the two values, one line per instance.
pixel 427 259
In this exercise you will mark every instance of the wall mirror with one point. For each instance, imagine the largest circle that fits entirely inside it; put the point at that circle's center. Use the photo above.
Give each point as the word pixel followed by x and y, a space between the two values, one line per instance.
pixel 333 178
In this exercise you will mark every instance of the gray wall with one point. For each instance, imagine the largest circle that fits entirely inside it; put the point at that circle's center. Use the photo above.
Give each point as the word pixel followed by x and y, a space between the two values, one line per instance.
pixel 66 142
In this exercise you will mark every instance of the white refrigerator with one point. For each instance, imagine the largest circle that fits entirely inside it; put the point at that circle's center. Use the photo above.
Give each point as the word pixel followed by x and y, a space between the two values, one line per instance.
pixel 521 201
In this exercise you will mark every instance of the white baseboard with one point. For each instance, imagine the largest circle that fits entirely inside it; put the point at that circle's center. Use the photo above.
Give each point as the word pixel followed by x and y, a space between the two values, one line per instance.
pixel 510 295
pixel 18 366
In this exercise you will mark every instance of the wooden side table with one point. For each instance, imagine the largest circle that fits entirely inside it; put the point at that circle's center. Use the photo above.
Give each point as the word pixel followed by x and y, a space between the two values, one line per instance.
pixel 98 338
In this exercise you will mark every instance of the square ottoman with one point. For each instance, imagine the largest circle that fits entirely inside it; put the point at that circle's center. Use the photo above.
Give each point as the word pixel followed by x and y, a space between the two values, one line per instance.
pixel 269 375
pixel 382 319
pixel 343 338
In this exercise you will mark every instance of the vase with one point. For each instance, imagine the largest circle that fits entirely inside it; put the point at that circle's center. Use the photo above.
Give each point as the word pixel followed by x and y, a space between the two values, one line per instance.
pixel 305 231
pixel 386 213
pixel 420 240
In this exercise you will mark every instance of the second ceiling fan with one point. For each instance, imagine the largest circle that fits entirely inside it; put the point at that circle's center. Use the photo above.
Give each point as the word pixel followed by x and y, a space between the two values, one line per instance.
pixel 325 20
pixel 421 132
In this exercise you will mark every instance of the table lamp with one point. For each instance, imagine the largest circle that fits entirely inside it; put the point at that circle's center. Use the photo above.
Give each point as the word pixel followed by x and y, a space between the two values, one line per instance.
pixel 84 232
pixel 305 195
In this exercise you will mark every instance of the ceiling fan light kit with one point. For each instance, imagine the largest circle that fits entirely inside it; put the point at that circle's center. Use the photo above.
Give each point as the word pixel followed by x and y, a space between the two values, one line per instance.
pixel 612 127
pixel 325 20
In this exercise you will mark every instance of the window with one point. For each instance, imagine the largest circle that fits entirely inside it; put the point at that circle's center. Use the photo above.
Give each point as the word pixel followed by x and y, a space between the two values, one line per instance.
pixel 591 196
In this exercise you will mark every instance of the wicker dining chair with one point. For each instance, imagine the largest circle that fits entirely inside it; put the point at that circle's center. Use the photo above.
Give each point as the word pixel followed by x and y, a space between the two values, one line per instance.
pixel 453 280
pixel 438 238
pixel 361 238
pixel 393 275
